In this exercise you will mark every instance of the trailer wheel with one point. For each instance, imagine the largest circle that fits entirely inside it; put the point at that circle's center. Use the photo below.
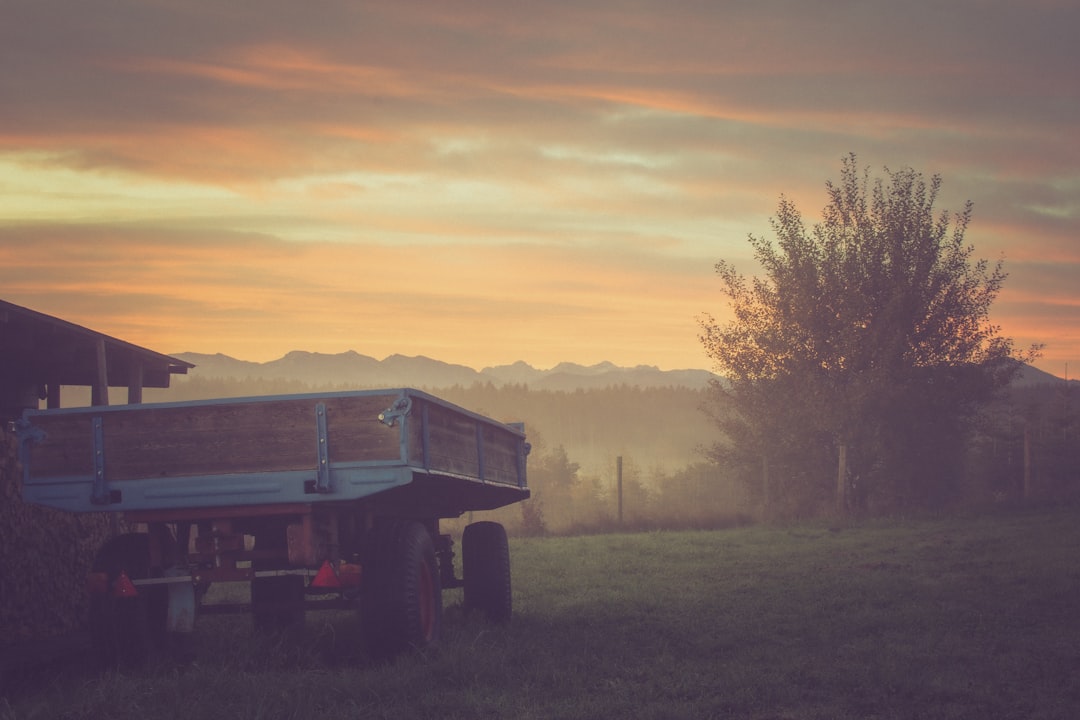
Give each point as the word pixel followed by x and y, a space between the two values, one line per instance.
pixel 277 602
pixel 485 560
pixel 128 630
pixel 401 601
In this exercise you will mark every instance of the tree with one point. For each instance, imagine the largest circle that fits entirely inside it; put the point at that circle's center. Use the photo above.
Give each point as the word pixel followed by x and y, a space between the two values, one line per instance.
pixel 553 478
pixel 865 345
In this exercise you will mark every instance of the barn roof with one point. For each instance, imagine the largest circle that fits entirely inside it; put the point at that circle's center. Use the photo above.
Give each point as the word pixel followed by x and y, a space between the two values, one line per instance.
pixel 42 350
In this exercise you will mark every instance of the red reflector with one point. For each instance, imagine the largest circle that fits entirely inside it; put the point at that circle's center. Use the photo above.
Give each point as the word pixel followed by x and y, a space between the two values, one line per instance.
pixel 123 587
pixel 349 575
pixel 326 577
pixel 97 583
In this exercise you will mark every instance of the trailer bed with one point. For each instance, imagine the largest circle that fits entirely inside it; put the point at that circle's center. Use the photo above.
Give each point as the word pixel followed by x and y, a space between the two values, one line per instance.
pixel 402 445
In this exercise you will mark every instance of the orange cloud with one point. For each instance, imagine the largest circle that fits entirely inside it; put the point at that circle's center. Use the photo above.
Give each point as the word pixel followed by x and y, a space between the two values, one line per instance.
pixel 413 174
pixel 283 68
pixel 472 304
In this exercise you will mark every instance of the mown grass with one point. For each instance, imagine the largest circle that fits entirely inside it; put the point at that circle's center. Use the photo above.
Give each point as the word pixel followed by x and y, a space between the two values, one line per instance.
pixel 972 617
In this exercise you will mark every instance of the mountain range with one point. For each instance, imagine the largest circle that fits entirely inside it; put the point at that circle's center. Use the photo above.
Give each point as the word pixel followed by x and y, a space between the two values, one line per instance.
pixel 361 371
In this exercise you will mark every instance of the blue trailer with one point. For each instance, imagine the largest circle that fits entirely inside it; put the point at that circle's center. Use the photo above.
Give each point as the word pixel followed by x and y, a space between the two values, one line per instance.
pixel 316 500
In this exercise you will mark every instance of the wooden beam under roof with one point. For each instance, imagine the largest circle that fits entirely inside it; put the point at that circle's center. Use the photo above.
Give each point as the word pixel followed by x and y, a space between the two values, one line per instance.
pixel 43 352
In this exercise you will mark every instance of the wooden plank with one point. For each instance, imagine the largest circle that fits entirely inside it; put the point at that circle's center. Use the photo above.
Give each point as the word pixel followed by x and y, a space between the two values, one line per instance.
pixel 209 440
pixel 272 435
pixel 500 455
pixel 451 441
pixel 355 432
pixel 68 448
pixel 453 447
pixel 219 438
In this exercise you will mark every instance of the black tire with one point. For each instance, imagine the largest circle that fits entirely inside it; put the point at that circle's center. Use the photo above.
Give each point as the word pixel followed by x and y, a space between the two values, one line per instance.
pixel 128 630
pixel 485 564
pixel 277 602
pixel 401 600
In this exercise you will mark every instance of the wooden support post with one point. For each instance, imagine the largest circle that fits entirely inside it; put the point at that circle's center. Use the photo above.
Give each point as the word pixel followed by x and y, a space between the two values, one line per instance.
pixel 52 392
pixel 135 382
pixel 99 395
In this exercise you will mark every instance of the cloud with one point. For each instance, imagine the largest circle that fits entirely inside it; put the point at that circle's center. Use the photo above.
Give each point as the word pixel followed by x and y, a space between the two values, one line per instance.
pixel 544 162
pixel 258 297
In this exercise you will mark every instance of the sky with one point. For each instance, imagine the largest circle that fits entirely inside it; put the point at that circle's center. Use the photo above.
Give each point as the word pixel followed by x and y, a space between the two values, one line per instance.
pixel 484 182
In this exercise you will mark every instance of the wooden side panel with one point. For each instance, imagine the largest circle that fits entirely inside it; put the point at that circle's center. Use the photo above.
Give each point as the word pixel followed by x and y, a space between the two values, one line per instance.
pixel 355 432
pixel 500 455
pixel 416 433
pixel 220 438
pixel 454 445
pixel 207 440
pixel 68 448
pixel 451 441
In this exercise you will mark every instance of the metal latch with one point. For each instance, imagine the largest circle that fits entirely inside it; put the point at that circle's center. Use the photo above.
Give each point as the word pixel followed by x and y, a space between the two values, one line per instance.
pixel 400 409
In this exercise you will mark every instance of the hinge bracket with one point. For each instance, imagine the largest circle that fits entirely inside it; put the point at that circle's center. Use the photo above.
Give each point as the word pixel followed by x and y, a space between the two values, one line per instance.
pixel 322 470
pixel 99 495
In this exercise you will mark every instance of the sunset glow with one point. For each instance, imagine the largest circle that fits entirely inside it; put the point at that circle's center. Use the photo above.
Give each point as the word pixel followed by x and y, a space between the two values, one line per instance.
pixel 483 183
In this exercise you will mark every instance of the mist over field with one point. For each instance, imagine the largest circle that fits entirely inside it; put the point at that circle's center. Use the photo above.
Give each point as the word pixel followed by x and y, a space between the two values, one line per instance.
pixel 651 417
pixel 580 420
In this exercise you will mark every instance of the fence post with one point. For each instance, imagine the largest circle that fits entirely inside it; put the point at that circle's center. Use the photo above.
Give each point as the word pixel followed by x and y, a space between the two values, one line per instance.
pixel 618 483
pixel 841 482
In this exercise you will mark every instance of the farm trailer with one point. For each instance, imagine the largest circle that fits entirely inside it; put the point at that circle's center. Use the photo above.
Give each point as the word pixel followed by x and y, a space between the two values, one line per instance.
pixel 328 500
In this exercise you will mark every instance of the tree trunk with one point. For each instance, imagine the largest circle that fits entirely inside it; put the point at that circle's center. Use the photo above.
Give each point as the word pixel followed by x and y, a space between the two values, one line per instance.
pixel 766 500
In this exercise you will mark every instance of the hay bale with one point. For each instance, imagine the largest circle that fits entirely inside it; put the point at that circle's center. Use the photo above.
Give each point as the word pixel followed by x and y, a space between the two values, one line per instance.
pixel 44 557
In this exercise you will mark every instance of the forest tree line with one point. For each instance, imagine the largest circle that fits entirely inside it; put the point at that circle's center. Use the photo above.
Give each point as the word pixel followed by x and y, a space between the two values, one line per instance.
pixel 1024 447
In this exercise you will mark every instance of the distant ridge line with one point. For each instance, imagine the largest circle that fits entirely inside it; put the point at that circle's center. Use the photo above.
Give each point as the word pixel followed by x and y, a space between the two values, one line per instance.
pixel 354 369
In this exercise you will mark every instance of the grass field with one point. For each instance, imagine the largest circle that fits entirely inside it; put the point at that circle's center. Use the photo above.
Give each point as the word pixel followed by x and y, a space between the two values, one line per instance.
pixel 973 617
